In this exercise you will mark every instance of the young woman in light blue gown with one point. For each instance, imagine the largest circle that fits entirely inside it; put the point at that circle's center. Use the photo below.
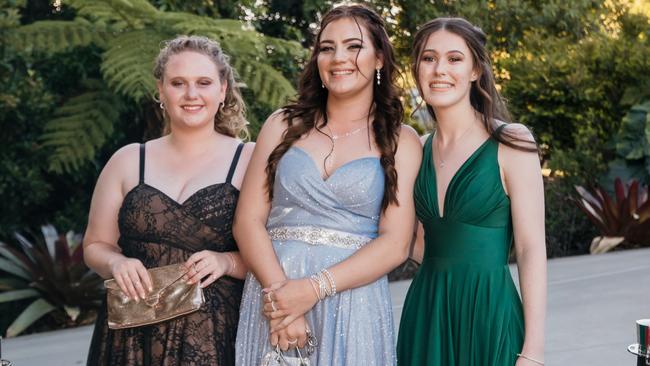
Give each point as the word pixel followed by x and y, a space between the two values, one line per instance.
pixel 326 208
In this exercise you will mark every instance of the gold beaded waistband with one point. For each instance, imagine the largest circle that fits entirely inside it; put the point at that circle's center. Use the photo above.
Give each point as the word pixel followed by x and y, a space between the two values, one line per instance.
pixel 315 235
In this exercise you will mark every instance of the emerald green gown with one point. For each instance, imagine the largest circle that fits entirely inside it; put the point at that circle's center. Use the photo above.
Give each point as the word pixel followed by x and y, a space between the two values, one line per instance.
pixel 462 308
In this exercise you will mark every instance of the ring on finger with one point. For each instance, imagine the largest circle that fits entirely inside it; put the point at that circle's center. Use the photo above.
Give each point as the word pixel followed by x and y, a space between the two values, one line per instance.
pixel 273 306
pixel 292 341
pixel 268 296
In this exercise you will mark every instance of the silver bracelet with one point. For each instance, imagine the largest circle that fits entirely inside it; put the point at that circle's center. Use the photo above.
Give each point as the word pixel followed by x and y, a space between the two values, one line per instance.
pixel 530 359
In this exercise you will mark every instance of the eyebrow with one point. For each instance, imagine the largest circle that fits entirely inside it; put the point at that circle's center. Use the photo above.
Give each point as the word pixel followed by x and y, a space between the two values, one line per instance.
pixel 432 50
pixel 344 41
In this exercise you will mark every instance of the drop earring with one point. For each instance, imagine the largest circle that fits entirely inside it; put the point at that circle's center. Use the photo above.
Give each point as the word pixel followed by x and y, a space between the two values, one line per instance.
pixel 378 77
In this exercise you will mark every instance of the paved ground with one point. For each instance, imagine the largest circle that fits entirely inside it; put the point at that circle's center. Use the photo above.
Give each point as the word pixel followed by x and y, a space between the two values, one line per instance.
pixel 592 306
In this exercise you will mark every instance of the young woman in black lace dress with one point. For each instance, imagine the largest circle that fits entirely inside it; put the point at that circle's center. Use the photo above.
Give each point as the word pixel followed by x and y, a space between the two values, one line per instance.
pixel 170 201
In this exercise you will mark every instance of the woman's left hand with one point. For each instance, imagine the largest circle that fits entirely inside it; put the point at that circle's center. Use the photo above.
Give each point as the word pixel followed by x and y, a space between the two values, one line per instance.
pixel 206 265
pixel 288 299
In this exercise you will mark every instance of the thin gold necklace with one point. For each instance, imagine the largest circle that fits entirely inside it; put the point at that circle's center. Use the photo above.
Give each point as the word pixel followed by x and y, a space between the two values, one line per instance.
pixel 441 161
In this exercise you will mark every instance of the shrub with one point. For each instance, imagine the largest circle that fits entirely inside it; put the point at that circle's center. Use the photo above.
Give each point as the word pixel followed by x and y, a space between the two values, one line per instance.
pixel 626 217
pixel 52 274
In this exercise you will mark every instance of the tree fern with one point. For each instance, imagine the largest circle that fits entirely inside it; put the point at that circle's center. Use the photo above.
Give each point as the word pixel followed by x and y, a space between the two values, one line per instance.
pixel 55 36
pixel 130 33
pixel 80 127
pixel 128 62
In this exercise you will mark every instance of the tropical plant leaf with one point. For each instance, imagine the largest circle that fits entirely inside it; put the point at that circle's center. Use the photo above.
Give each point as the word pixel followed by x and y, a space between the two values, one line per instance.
pixel 128 63
pixel 32 313
pixel 52 36
pixel 15 256
pixel 80 127
pixel 269 85
pixel 15 295
pixel 11 283
pixel 133 12
pixel 14 269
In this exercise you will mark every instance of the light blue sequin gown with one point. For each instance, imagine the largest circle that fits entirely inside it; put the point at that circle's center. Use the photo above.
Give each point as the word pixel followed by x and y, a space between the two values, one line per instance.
pixel 314 224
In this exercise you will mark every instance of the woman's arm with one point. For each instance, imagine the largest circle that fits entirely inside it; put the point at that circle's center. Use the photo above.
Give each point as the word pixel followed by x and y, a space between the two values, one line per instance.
pixel 101 252
pixel 375 259
pixel 523 181
pixel 211 265
pixel 249 227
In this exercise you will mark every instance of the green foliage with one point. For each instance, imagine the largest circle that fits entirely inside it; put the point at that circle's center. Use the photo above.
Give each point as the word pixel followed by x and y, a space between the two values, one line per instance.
pixel 80 126
pixel 568 231
pixel 632 144
pixel 51 270
pixel 129 34
pixel 573 94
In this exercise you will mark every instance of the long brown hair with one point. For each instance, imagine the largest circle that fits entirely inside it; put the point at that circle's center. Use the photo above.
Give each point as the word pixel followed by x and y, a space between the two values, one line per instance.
pixel 484 97
pixel 303 114
pixel 230 119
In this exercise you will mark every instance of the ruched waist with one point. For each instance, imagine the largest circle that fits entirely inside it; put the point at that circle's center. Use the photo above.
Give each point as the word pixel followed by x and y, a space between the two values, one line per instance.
pixel 452 242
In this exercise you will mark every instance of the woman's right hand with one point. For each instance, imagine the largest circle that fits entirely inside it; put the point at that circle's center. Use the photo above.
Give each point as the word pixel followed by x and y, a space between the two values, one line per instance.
pixel 294 335
pixel 132 277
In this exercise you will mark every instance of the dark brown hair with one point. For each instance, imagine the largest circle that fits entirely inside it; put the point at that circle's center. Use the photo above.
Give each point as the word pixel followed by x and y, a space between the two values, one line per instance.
pixel 310 107
pixel 484 97
pixel 230 119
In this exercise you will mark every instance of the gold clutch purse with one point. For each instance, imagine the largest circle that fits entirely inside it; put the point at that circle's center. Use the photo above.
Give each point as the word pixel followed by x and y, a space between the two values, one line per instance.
pixel 171 297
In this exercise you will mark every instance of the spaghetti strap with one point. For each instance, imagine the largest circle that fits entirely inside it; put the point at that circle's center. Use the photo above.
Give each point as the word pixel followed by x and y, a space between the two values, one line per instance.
pixel 233 165
pixel 141 163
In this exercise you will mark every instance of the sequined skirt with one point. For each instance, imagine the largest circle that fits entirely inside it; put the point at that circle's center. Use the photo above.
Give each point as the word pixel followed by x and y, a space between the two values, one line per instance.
pixel 354 327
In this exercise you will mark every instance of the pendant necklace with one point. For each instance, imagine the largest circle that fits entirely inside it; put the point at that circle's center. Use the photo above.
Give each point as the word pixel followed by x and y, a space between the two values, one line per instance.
pixel 329 159
pixel 441 161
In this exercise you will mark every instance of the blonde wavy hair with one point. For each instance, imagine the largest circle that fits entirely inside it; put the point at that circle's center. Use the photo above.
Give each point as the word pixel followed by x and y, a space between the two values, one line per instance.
pixel 230 120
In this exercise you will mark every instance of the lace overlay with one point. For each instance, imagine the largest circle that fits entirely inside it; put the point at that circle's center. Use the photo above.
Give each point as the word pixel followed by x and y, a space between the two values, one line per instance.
pixel 159 231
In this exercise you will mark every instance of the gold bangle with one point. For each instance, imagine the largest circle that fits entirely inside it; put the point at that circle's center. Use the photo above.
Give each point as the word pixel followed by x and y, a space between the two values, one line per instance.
pixel 313 285
pixel 530 359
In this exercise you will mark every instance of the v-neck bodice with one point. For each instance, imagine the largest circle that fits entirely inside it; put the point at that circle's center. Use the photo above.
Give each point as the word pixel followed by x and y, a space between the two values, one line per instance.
pixel 349 200
pixel 474 195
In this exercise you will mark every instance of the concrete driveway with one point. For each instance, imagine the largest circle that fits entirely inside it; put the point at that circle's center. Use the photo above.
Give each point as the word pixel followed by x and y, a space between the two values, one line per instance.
pixel 593 302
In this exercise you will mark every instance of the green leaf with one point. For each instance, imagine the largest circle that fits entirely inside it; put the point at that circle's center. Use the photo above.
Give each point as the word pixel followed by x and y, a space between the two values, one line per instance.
pixel 128 63
pixel 269 85
pixel 11 283
pixel 32 313
pixel 4 251
pixel 80 127
pixel 10 267
pixel 15 295
pixel 52 36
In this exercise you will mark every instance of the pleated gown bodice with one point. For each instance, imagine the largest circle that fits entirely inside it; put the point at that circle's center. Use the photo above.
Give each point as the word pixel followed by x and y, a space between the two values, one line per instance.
pixel 462 307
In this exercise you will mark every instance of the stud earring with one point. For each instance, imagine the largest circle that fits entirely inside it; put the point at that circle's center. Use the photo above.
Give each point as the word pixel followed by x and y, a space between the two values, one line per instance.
pixel 378 77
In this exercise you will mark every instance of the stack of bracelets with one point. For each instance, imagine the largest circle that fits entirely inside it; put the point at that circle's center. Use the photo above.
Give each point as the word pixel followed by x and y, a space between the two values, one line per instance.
pixel 323 284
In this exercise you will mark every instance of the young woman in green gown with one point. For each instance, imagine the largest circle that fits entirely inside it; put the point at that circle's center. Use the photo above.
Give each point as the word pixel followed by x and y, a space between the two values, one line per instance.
pixel 479 189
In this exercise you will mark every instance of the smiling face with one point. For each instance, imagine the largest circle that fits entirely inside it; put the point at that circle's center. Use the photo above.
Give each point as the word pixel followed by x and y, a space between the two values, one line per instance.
pixel 191 89
pixel 347 59
pixel 446 70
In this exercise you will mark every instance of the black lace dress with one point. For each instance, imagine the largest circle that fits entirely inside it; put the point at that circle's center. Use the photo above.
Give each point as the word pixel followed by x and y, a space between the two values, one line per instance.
pixel 159 231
